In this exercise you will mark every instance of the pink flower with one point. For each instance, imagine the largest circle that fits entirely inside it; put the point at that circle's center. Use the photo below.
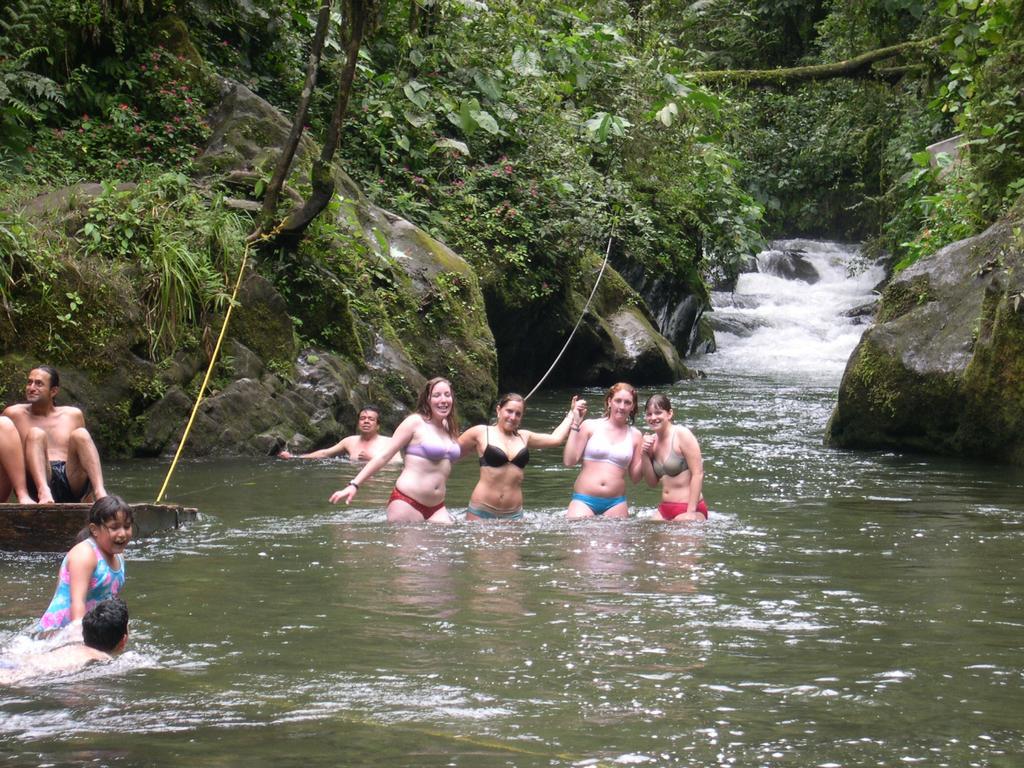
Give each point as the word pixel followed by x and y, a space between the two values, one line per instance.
pixel 508 169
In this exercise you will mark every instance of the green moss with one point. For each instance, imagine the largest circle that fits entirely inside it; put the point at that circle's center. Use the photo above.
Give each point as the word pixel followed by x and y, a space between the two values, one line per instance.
pixel 901 296
pixel 994 386
pixel 259 327
pixel 883 403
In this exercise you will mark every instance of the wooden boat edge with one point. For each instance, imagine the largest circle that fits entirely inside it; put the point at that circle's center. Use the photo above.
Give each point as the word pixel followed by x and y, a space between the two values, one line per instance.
pixel 54 527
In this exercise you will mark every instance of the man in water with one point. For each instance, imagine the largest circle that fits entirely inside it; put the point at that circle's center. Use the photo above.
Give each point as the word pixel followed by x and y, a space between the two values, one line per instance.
pixel 360 447
pixel 104 633
pixel 61 460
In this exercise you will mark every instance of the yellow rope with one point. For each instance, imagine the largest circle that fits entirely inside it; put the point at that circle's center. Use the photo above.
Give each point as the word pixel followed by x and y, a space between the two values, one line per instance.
pixel 206 379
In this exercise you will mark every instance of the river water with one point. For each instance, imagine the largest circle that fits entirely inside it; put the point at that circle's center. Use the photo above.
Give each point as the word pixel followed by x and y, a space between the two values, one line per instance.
pixel 838 609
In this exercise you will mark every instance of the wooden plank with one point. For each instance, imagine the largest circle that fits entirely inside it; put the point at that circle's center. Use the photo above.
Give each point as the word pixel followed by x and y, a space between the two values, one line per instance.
pixel 54 527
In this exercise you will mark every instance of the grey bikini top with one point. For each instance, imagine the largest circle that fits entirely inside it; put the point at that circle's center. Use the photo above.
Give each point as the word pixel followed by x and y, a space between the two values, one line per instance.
pixel 673 464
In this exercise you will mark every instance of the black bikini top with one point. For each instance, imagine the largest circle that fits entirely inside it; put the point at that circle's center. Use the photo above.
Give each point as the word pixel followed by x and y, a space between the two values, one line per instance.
pixel 494 457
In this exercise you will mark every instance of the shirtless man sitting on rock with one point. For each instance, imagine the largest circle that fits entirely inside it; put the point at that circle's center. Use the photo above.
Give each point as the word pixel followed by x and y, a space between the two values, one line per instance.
pixel 361 447
pixel 61 459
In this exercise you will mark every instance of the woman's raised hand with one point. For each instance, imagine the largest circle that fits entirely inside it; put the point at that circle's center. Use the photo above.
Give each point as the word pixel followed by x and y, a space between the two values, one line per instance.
pixel 579 405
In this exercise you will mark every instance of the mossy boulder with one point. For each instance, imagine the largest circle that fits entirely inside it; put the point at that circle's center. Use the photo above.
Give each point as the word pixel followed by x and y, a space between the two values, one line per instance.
pixel 363 279
pixel 616 341
pixel 943 370
pixel 677 304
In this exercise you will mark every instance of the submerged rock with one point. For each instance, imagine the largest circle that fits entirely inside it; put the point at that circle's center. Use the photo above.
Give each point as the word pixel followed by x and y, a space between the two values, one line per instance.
pixel 789 265
pixel 943 369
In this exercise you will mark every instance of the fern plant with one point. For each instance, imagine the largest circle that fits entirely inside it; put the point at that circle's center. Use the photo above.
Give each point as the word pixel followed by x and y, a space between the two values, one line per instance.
pixel 24 93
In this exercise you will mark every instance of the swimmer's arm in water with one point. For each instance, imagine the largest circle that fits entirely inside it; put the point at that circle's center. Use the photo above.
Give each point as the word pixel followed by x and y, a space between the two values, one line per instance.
pixel 577 442
pixel 399 440
pixel 65 659
pixel 577 412
pixel 647 451
pixel 337 449
pixel 81 564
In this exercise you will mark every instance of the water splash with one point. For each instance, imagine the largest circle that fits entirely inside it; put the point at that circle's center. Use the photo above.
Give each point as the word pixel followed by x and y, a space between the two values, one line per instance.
pixel 791 319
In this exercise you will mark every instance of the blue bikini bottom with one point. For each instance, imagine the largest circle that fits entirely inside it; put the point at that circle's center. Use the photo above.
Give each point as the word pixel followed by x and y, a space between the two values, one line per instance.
pixel 598 504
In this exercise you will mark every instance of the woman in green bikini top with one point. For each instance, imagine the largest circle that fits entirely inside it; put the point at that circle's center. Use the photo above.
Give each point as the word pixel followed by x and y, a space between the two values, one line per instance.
pixel 671 456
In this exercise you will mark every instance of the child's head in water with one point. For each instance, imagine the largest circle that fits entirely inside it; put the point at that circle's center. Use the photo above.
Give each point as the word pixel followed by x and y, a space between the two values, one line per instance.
pixel 105 627
pixel 110 524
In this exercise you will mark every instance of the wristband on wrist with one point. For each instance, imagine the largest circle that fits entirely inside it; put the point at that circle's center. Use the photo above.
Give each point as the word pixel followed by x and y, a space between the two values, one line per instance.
pixel 354 484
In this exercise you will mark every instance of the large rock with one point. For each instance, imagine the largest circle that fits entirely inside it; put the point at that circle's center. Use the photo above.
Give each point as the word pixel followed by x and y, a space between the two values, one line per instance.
pixel 434 323
pixel 943 369
pixel 616 339
pixel 675 306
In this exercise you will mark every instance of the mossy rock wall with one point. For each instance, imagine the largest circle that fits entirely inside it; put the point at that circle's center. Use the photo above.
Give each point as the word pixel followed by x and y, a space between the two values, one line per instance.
pixel 943 370
pixel 616 340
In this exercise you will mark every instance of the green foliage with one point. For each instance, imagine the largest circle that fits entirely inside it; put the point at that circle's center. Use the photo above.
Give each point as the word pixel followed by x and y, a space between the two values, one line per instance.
pixel 950 213
pixel 261 43
pixel 510 134
pixel 980 96
pixel 25 96
pixel 184 252
pixel 19 262
pixel 154 117
pixel 811 154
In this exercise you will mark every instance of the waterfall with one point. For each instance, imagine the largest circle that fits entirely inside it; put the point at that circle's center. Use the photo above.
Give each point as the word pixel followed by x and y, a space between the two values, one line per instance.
pixel 799 316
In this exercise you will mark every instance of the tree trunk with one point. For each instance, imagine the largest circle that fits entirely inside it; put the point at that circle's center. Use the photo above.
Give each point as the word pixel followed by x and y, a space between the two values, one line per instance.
pixel 323 181
pixel 268 214
pixel 859 66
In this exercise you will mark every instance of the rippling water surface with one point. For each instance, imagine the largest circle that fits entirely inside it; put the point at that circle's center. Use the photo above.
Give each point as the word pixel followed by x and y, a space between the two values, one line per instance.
pixel 838 609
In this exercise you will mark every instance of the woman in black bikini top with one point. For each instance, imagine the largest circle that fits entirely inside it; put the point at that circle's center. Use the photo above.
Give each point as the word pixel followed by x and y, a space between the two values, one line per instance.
pixel 504 452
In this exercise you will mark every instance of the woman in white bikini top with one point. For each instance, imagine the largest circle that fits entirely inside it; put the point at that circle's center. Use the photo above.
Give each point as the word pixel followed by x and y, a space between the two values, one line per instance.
pixel 610 450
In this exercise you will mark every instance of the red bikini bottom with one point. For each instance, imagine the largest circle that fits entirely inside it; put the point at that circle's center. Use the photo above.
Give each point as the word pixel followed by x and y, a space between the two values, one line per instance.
pixel 670 510
pixel 419 506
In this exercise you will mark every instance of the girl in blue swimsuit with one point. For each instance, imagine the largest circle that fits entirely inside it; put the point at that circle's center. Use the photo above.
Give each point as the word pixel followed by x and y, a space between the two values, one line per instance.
pixel 93 569
pixel 610 449
pixel 429 440
pixel 504 452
